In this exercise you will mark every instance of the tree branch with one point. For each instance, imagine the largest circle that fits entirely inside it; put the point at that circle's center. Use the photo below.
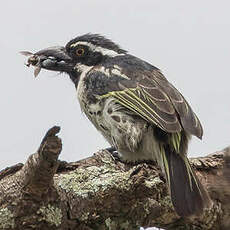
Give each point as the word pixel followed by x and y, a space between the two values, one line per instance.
pixel 101 193
pixel 37 173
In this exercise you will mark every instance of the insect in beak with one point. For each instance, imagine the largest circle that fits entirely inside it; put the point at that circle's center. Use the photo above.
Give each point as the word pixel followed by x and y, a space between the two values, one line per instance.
pixel 33 60
pixel 52 58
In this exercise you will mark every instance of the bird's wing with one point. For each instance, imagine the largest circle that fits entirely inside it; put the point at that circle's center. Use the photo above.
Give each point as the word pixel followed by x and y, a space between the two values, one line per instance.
pixel 153 98
pixel 187 117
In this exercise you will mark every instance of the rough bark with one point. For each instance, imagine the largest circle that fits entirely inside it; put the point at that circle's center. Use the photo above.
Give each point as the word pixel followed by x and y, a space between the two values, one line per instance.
pixel 102 193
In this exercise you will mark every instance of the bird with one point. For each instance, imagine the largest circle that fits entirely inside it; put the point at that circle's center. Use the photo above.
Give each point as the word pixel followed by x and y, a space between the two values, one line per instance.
pixel 137 110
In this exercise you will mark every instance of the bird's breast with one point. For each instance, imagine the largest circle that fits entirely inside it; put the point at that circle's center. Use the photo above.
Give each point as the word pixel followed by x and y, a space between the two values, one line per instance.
pixel 91 105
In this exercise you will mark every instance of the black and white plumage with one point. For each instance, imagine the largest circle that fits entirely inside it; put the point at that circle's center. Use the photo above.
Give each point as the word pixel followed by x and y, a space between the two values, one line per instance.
pixel 135 108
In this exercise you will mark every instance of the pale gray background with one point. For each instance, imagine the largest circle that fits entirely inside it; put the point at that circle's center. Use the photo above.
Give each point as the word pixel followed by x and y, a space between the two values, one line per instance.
pixel 188 40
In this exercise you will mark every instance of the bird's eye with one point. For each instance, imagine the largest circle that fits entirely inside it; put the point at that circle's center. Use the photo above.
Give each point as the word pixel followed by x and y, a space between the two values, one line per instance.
pixel 80 51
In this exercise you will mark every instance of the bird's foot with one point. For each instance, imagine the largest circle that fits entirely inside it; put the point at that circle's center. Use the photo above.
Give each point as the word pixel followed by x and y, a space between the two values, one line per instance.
pixel 115 155
pixel 111 149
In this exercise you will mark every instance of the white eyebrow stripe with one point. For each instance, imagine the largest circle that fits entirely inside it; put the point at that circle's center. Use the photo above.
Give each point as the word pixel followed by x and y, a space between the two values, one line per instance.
pixel 103 51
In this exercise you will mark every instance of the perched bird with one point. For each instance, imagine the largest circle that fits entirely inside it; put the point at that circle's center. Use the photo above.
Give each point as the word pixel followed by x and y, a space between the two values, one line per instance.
pixel 141 114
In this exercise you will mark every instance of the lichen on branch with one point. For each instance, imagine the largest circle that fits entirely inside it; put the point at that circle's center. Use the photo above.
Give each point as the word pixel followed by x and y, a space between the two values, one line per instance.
pixel 100 193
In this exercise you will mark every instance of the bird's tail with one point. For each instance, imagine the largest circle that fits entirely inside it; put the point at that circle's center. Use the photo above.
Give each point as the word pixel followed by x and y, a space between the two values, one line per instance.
pixel 187 194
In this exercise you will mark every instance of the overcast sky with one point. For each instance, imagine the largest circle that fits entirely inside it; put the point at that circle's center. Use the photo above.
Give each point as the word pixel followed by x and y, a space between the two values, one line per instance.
pixel 188 40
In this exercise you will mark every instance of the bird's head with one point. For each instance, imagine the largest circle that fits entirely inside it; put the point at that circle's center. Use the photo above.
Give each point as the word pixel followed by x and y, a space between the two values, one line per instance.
pixel 81 52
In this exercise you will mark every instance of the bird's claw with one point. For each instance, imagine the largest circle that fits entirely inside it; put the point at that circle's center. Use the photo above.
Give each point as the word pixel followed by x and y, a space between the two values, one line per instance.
pixel 115 155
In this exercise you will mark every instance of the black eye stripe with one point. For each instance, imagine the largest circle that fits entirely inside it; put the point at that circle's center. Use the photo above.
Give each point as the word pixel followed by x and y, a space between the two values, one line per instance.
pixel 84 54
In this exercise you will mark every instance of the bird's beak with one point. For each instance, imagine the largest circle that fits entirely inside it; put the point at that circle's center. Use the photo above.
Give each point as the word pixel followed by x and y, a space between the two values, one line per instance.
pixel 52 58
